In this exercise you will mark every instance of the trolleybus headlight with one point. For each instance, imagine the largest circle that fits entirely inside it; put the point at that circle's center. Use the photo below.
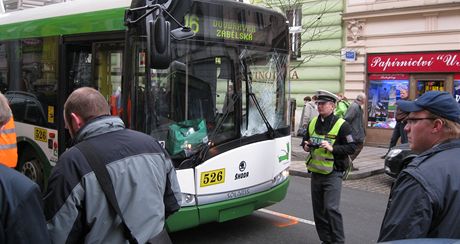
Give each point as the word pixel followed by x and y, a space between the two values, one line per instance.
pixel 281 177
pixel 187 200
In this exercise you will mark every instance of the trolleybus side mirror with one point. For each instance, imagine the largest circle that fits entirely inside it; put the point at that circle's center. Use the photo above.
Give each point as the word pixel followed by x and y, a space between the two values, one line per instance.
pixel 160 40
pixel 178 65
pixel 182 33
pixel 160 43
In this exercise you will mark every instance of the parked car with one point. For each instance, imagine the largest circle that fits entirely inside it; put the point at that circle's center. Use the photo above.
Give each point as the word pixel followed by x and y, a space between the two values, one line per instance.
pixel 424 241
pixel 397 159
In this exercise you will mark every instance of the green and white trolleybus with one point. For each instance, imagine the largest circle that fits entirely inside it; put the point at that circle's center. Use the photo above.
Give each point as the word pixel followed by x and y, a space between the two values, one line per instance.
pixel 207 78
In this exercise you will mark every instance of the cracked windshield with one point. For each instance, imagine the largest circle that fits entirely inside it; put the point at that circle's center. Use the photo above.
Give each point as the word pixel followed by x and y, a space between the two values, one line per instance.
pixel 213 95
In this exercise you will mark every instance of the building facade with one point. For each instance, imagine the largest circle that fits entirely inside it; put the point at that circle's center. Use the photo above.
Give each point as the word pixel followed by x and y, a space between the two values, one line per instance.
pixel 401 45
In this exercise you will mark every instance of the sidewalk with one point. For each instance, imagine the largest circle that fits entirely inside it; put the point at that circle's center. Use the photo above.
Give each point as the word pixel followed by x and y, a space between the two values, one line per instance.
pixel 368 161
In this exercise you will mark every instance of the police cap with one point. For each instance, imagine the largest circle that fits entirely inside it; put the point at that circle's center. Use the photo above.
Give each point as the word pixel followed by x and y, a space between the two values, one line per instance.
pixel 326 96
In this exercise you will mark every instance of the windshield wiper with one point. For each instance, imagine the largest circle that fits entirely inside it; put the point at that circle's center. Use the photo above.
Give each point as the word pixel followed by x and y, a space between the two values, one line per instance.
pixel 200 156
pixel 252 95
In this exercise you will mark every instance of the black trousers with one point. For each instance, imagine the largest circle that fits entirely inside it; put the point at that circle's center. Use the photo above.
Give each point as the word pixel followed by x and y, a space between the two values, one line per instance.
pixel 397 133
pixel 325 194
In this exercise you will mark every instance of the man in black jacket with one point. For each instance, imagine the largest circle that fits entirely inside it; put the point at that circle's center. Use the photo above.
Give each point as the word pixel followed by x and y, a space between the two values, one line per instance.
pixel 398 131
pixel 329 142
pixel 425 199
pixel 141 171
pixel 21 213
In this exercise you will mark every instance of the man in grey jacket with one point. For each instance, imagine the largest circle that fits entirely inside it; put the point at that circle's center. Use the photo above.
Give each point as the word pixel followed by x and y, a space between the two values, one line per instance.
pixel 354 117
pixel 425 201
pixel 142 173
pixel 310 110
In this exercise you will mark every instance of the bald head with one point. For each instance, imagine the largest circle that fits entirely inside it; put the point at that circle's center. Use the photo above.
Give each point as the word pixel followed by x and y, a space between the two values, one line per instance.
pixel 87 103
pixel 5 111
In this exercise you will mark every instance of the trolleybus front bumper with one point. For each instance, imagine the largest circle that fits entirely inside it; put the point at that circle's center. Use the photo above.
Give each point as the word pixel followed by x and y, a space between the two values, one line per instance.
pixel 188 217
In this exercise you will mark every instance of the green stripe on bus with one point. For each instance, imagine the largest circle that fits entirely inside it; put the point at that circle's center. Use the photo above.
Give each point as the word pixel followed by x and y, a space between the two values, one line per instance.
pixel 99 21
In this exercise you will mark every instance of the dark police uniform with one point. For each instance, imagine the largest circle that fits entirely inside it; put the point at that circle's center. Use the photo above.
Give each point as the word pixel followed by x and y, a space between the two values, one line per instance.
pixel 326 186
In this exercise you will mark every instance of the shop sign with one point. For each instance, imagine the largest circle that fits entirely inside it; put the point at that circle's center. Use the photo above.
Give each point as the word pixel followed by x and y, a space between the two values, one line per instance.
pixel 389 77
pixel 414 62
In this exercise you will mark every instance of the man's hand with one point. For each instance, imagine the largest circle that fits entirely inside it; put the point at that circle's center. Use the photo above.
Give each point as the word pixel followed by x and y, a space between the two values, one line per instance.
pixel 326 145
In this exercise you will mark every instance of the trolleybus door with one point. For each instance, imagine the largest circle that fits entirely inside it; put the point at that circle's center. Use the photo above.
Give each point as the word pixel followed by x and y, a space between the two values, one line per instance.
pixel 107 72
pixel 91 63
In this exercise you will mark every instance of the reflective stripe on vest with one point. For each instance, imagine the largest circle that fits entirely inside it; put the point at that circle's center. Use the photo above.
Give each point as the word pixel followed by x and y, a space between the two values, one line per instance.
pixel 8 147
pixel 321 160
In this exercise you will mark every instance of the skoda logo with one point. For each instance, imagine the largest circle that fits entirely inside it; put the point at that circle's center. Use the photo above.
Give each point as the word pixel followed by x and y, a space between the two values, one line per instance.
pixel 242 166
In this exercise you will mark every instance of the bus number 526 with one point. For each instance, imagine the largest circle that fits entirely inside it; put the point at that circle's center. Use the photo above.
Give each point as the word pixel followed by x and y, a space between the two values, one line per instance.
pixel 212 177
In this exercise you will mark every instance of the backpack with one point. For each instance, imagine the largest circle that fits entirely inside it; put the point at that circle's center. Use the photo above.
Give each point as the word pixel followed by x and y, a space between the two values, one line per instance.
pixel 341 109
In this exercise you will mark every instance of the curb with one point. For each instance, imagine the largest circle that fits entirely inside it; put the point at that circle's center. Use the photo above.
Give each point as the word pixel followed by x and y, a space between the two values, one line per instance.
pixel 361 175
pixel 299 173
pixel 352 176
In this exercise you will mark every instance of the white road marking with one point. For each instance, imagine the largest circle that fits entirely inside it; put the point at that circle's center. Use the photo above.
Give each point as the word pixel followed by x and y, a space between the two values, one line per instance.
pixel 285 216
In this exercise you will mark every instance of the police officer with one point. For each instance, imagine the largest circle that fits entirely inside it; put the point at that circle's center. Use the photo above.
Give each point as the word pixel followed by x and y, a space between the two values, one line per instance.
pixel 329 142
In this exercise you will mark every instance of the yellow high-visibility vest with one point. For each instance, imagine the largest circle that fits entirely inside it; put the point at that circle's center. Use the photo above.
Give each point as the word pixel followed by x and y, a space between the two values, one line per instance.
pixel 321 160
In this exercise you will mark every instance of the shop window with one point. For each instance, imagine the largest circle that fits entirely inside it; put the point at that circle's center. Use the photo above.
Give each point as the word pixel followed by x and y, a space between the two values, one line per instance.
pixel 384 91
pixel 456 91
pixel 429 85
pixel 295 29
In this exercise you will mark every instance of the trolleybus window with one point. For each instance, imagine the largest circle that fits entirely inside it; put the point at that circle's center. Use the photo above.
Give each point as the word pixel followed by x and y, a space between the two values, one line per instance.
pixel 33 75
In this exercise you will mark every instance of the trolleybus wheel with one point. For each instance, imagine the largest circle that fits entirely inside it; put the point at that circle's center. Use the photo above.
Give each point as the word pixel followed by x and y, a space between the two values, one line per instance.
pixel 30 166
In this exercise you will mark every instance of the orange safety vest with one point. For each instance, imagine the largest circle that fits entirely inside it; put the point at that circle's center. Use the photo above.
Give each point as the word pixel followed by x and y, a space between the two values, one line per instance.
pixel 8 147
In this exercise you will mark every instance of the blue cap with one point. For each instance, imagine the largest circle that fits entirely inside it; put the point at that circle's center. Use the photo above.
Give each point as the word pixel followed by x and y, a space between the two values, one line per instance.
pixel 439 103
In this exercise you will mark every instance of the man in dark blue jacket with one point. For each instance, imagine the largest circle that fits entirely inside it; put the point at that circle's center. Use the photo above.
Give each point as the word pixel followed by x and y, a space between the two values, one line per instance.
pixel 21 213
pixel 425 200
pixel 143 177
